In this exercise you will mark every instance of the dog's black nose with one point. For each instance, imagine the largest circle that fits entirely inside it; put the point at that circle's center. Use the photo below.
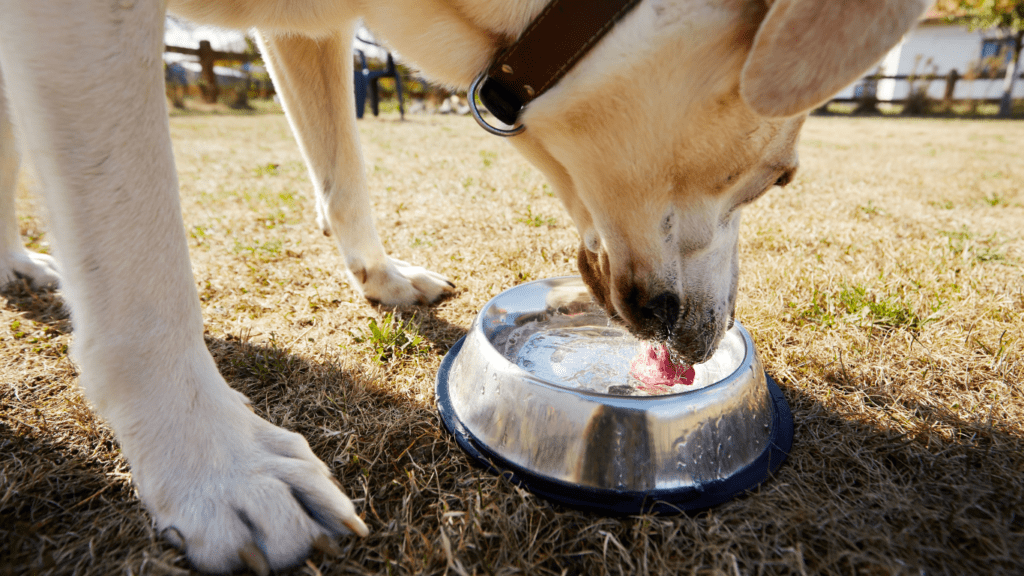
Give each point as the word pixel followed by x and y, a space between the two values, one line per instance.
pixel 661 313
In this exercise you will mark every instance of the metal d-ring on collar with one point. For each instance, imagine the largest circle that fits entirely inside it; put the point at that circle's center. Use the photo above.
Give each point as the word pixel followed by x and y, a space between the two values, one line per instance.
pixel 474 90
pixel 549 47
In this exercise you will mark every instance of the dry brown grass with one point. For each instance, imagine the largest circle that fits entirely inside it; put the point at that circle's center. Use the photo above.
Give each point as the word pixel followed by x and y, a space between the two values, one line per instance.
pixel 884 288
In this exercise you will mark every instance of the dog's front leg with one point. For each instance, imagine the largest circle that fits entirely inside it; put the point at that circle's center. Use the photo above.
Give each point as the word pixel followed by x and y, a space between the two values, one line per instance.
pixel 224 484
pixel 314 79
pixel 15 259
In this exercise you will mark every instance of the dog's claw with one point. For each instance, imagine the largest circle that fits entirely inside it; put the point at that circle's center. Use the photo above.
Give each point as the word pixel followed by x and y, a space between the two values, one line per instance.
pixel 356 525
pixel 173 537
pixel 254 559
pixel 352 522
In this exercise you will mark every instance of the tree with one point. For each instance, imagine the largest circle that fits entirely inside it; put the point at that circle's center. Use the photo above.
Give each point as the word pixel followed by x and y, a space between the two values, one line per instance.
pixel 1006 16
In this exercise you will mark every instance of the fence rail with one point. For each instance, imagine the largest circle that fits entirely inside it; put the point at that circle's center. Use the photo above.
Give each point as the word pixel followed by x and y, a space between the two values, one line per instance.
pixel 865 89
pixel 207 57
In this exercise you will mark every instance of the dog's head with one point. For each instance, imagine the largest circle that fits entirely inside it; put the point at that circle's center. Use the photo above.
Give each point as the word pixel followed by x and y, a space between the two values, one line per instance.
pixel 682 115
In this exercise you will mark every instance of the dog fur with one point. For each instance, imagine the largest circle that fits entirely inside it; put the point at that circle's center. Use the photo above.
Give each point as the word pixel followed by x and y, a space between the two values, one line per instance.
pixel 685 112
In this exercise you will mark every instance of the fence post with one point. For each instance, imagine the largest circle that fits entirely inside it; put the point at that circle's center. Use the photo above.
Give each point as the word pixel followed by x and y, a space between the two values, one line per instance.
pixel 208 77
pixel 951 80
pixel 242 98
pixel 867 102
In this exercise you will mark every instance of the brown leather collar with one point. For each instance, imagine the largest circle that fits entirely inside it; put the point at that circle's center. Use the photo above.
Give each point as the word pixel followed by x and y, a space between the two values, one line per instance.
pixel 553 43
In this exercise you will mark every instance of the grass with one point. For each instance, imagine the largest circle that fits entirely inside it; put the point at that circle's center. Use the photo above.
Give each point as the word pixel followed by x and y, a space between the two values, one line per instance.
pixel 884 289
pixel 856 305
pixel 392 340
pixel 536 220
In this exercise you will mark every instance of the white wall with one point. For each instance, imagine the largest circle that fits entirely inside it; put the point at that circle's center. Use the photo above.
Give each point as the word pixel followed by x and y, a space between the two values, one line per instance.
pixel 948 47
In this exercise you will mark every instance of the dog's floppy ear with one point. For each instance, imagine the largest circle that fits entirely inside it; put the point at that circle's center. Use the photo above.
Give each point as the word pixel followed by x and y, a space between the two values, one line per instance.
pixel 807 50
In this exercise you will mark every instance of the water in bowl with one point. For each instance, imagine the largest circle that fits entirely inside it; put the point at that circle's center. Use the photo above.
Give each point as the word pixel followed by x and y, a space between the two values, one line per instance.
pixel 586 352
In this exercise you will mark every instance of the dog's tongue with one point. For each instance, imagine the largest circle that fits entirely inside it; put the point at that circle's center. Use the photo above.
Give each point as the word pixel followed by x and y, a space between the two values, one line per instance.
pixel 654 369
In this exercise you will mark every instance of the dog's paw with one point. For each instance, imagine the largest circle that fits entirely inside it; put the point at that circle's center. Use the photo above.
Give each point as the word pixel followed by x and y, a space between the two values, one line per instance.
pixel 399 283
pixel 234 491
pixel 39 269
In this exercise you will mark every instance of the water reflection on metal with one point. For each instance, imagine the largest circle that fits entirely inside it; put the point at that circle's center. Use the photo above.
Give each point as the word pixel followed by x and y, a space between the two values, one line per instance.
pixel 583 431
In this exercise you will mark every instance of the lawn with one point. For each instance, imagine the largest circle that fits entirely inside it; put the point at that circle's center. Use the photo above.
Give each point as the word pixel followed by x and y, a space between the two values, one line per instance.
pixel 884 288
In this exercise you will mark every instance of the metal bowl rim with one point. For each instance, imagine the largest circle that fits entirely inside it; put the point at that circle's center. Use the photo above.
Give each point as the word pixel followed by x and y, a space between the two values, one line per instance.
pixel 516 370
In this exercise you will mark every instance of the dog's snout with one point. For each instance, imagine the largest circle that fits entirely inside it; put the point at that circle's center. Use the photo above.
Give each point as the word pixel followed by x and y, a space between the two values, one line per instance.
pixel 690 322
pixel 662 312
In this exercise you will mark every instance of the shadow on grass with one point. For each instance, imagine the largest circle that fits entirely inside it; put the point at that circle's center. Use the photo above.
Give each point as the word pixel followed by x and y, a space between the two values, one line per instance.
pixel 852 497
pixel 66 503
pixel 42 305
pixel 903 501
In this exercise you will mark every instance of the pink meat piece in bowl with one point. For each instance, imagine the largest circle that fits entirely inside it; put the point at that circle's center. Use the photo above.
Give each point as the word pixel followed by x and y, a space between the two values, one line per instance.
pixel 654 369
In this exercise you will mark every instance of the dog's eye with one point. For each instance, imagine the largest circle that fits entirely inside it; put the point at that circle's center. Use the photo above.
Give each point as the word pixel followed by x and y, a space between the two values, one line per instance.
pixel 786 178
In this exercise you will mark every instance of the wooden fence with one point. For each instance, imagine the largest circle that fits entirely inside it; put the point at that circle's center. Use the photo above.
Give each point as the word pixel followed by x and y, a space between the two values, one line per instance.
pixel 919 85
pixel 208 78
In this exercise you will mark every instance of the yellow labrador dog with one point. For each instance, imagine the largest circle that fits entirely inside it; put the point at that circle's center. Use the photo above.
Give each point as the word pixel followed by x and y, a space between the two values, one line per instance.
pixel 655 139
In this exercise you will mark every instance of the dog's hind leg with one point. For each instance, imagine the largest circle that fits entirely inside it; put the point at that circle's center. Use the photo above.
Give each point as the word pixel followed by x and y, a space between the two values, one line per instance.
pixel 15 259
pixel 314 79
pixel 227 486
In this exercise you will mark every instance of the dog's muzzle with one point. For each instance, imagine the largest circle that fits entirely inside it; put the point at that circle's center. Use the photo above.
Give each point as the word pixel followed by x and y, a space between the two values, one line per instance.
pixel 691 324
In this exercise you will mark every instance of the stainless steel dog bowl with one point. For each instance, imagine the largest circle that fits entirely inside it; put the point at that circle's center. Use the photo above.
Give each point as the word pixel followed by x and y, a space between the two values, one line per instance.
pixel 539 391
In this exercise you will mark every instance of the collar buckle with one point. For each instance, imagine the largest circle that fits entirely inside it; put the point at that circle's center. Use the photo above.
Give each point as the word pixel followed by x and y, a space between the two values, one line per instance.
pixel 499 102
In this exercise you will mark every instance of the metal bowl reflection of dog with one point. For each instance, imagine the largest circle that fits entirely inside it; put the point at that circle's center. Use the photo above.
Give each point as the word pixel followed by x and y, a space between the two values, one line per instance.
pixel 541 388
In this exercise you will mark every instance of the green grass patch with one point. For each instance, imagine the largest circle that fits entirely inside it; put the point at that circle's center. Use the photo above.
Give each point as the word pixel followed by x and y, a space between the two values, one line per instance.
pixel 536 220
pixel 871 209
pixel 392 339
pixel 855 304
pixel 424 241
pixel 995 199
pixel 269 169
pixel 267 363
pixel 969 246
pixel 488 157
pixel 268 250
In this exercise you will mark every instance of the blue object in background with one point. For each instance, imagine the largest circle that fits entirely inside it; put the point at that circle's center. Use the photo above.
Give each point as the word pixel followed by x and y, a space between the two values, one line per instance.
pixel 366 84
pixel 176 74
